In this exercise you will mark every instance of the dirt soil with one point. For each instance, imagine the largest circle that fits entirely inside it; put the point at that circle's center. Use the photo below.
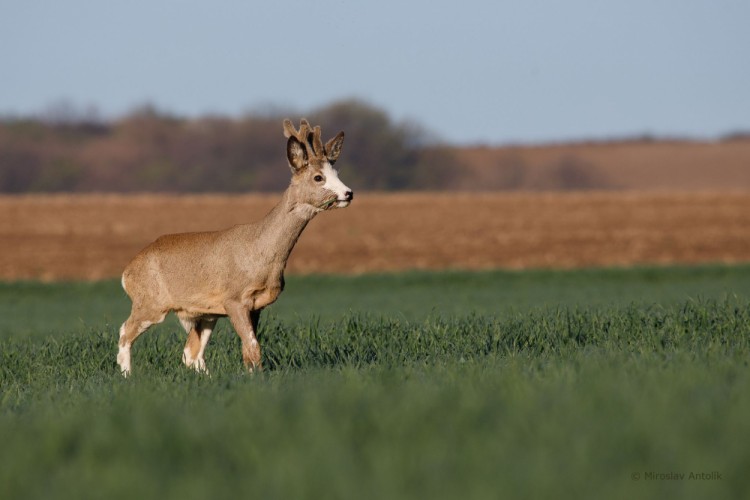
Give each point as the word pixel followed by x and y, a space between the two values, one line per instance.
pixel 94 236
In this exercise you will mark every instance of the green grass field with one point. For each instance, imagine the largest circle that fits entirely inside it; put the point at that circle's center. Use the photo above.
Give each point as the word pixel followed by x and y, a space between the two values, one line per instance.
pixel 568 384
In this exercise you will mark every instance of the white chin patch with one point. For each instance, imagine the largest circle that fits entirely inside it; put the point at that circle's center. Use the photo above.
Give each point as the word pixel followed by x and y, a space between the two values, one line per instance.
pixel 342 204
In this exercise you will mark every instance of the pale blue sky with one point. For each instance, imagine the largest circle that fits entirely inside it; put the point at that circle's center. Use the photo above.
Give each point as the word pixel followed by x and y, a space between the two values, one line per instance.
pixel 469 70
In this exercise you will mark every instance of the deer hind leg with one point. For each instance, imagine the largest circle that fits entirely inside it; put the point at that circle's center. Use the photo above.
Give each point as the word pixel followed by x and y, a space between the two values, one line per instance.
pixel 254 355
pixel 138 322
pixel 246 324
pixel 199 331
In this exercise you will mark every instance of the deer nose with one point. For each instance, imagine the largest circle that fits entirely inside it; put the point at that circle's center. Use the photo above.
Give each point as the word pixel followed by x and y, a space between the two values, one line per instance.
pixel 349 195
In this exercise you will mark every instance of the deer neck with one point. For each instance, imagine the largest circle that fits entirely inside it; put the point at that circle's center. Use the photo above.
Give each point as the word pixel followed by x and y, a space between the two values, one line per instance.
pixel 282 227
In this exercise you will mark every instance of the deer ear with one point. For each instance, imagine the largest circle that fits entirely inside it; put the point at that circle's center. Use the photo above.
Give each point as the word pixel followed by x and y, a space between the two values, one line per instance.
pixel 296 154
pixel 333 147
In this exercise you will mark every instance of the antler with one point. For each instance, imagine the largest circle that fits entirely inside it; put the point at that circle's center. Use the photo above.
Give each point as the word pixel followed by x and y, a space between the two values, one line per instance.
pixel 307 135
pixel 301 134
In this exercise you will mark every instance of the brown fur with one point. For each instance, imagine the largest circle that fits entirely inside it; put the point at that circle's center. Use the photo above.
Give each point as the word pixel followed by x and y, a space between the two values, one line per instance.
pixel 235 272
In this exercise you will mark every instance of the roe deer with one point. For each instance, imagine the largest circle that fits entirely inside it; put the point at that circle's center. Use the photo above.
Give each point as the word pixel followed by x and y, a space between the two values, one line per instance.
pixel 235 272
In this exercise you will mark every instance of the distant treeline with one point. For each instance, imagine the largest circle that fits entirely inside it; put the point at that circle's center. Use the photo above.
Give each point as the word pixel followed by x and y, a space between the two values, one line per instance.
pixel 152 151
pixel 148 150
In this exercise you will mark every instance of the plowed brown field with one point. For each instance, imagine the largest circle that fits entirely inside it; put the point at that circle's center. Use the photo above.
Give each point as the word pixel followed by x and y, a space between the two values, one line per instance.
pixel 94 236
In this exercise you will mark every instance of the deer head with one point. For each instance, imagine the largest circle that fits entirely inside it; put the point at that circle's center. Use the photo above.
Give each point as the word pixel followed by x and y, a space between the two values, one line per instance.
pixel 313 176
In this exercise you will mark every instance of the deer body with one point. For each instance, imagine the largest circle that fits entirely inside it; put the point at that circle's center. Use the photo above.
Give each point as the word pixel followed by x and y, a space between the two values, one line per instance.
pixel 235 272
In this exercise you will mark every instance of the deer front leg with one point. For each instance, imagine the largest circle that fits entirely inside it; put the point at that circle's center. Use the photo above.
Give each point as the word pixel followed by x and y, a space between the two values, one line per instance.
pixel 245 323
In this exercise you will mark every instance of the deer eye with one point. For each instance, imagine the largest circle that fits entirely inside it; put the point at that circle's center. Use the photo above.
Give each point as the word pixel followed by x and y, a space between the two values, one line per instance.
pixel 318 178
